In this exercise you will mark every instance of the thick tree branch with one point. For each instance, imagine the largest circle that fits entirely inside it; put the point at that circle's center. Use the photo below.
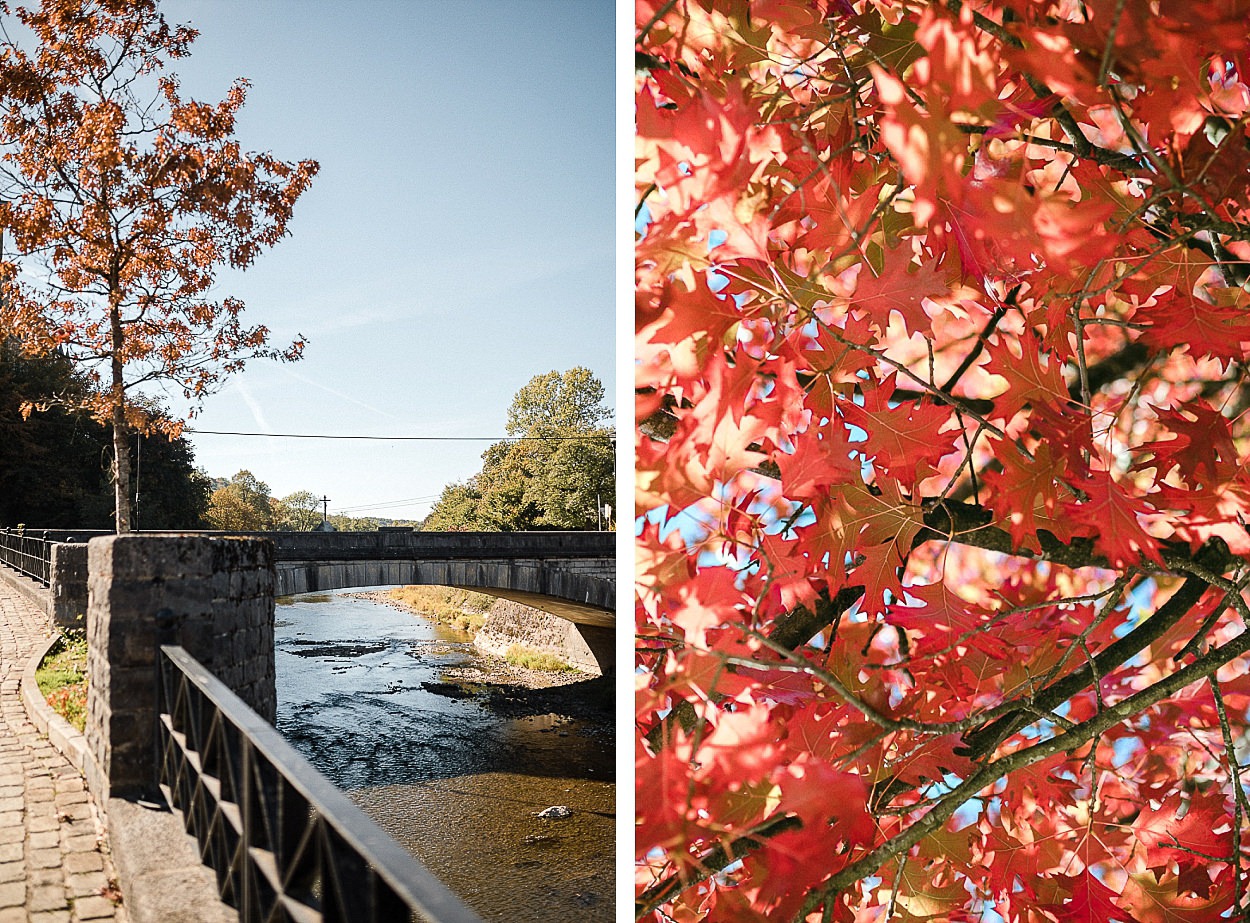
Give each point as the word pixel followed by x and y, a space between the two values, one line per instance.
pixel 1213 555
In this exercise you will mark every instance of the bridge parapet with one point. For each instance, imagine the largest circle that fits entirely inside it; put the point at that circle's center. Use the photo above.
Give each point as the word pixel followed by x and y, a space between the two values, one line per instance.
pixel 585 597
pixel 392 544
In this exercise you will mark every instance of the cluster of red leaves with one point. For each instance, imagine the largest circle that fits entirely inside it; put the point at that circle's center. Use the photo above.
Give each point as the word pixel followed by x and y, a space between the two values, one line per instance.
pixel 942 319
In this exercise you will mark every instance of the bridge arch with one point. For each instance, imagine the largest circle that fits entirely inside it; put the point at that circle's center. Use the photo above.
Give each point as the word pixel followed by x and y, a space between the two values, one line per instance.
pixel 571 575
pixel 586 599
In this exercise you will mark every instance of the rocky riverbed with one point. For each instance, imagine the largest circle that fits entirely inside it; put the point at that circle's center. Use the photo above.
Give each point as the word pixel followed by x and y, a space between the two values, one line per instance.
pixel 457 753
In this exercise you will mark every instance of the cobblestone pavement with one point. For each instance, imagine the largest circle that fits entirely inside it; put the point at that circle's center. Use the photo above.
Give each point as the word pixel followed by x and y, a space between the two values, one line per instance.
pixel 54 862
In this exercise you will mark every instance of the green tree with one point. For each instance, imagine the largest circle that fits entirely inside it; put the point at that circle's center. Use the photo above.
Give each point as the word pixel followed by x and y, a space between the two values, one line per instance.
pixel 169 491
pixel 558 404
pixel 577 483
pixel 297 512
pixel 343 523
pixel 54 462
pixel 554 472
pixel 244 504
pixel 506 481
pixel 456 509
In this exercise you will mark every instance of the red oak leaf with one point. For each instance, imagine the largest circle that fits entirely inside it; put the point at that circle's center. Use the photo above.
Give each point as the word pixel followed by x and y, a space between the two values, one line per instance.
pixel 1110 516
pixel 903 439
pixel 1091 901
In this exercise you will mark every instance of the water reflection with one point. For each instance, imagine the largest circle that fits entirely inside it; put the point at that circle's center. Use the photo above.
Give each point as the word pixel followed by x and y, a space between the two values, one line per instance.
pixel 455 766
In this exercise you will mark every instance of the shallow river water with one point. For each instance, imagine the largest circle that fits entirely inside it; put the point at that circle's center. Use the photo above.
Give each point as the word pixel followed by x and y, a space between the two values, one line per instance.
pixel 403 716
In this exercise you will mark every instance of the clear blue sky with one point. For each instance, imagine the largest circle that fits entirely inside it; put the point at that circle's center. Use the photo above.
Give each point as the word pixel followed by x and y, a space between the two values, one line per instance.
pixel 458 240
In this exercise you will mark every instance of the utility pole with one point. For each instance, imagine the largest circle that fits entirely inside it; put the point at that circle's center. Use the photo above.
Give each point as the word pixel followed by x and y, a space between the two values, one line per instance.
pixel 325 509
pixel 138 467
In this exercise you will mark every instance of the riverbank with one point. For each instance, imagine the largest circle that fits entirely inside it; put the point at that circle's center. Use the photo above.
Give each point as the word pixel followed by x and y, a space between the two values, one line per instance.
pixel 493 668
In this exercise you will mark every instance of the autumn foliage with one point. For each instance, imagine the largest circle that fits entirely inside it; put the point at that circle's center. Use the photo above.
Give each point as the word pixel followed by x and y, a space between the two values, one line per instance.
pixel 120 199
pixel 942 329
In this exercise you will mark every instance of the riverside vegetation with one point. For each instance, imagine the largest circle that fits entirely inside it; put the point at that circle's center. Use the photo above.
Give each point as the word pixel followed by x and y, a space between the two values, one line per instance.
pixel 460 609
pixel 62 678
pixel 467 611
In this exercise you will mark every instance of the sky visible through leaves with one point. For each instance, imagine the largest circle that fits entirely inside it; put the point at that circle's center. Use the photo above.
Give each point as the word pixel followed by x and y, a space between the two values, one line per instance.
pixel 447 133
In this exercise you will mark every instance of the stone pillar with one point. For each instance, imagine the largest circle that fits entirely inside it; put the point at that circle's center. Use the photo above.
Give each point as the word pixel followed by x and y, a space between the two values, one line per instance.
pixel 212 595
pixel 68 585
pixel 601 642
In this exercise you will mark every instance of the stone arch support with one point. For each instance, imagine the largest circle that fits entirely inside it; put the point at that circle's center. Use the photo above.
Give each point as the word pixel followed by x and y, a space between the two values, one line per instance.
pixel 584 598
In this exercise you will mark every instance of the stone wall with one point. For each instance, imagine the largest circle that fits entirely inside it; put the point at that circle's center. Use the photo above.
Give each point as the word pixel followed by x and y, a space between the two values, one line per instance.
pixel 212 595
pixel 68 585
pixel 510 623
pixel 398 544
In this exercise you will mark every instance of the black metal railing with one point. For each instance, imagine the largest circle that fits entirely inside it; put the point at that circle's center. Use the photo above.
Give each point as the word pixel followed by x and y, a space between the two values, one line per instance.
pixel 26 554
pixel 284 842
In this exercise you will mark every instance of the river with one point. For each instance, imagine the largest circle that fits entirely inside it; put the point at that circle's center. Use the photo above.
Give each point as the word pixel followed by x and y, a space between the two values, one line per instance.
pixel 407 718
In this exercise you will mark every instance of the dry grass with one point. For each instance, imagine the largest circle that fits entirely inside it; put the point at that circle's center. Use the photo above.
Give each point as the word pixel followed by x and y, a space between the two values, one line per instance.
pixel 530 659
pixel 446 605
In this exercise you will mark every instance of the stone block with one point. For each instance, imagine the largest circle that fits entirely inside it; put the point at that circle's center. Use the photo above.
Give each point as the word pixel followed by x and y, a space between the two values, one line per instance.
pixel 134 685
pixel 13 894
pixel 68 585
pixel 144 590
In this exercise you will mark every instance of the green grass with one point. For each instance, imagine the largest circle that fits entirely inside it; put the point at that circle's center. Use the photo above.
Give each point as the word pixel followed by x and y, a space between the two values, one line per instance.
pixel 520 656
pixel 459 609
pixel 62 678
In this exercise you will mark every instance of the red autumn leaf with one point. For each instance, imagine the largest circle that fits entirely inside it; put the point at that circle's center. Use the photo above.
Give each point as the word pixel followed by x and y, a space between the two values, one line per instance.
pixel 1033 377
pixel 1190 305
pixel 1091 902
pixel 903 440
pixel 1026 492
pixel 869 531
pixel 1201 448
pixel 1111 516
pixel 901 287
pixel 1185 832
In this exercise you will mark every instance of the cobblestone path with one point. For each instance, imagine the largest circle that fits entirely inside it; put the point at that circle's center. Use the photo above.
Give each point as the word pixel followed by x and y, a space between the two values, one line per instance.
pixel 54 863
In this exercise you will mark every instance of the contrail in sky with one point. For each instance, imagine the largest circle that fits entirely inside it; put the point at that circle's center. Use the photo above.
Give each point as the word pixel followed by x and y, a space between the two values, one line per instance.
pixel 252 404
pixel 339 394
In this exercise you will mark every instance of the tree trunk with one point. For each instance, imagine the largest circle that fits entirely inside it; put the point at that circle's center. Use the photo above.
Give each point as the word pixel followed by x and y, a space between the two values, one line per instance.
pixel 121 468
pixel 121 445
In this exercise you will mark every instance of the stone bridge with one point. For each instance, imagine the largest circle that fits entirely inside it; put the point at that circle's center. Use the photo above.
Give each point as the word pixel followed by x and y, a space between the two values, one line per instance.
pixel 569 574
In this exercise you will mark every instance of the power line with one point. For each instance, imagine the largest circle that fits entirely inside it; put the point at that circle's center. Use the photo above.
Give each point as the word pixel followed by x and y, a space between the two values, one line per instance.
pixel 388 504
pixel 217 432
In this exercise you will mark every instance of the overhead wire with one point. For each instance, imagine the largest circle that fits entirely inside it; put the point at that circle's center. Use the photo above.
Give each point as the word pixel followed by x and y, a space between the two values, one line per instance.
pixel 576 438
pixel 388 504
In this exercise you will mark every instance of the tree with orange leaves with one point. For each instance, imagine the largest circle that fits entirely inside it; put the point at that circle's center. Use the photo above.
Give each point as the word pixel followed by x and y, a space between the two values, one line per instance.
pixel 122 199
